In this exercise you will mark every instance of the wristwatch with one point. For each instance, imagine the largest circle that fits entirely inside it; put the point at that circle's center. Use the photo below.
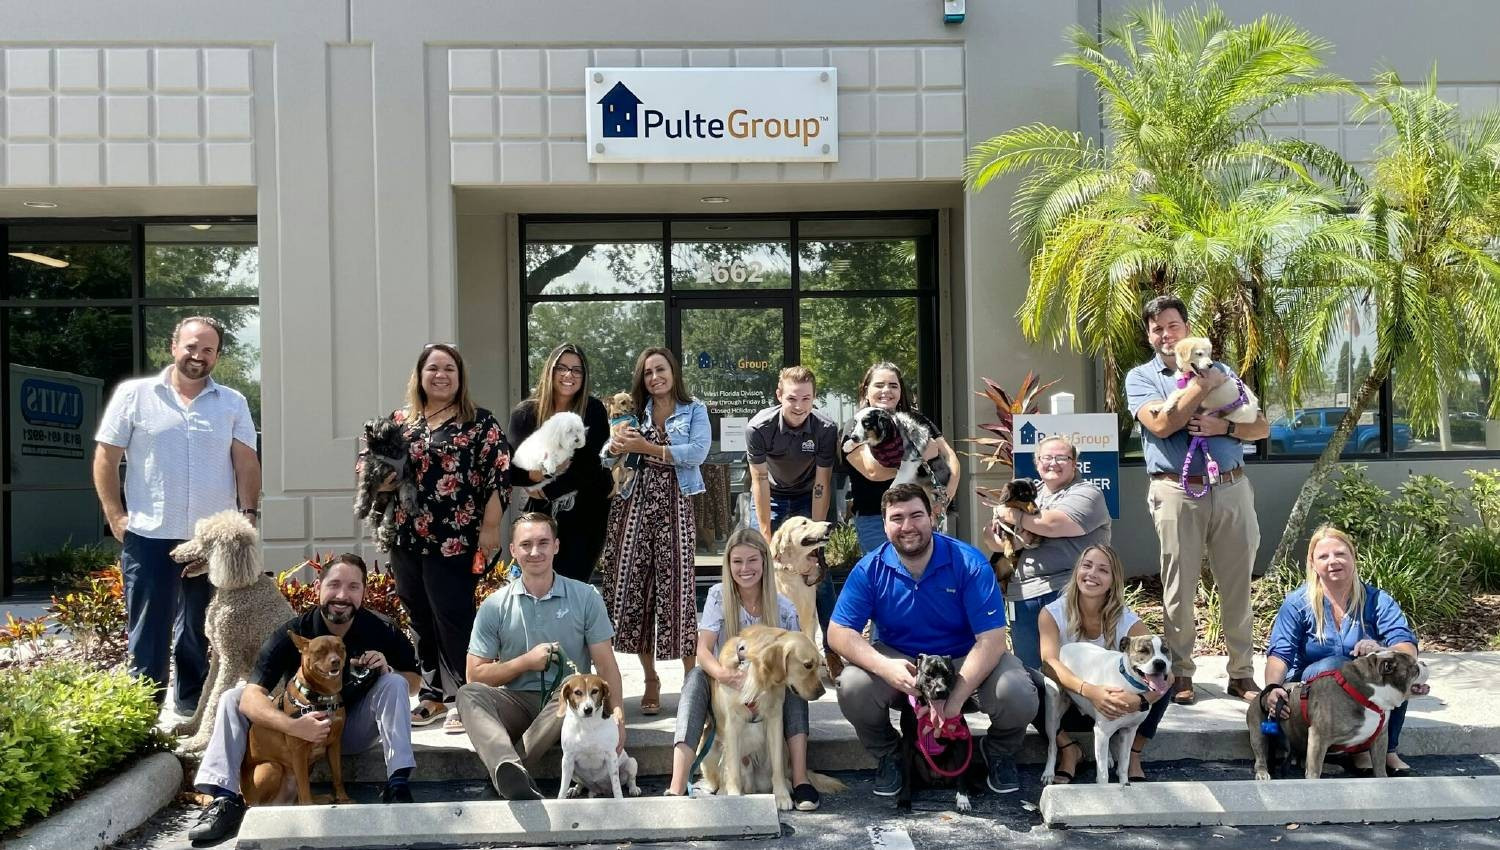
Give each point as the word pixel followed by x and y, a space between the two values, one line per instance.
pixel 1230 432
pixel 255 512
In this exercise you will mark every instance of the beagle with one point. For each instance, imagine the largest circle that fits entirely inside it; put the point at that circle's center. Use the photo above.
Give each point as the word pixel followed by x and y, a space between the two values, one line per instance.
pixel 589 736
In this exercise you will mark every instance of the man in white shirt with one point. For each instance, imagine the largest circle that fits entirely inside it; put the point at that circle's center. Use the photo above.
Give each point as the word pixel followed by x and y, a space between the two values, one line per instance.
pixel 189 447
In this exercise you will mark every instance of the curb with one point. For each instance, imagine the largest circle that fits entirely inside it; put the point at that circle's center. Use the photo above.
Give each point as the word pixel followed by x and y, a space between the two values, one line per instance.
pixel 104 814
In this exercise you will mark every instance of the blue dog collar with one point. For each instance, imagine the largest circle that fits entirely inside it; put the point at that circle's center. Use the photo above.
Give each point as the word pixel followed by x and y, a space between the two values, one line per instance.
pixel 1130 678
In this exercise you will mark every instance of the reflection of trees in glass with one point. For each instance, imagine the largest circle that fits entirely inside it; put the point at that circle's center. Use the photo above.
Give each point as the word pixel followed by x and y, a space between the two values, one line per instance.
pixel 742 348
pixel 95 270
pixel 866 264
pixel 91 341
pixel 612 334
pixel 841 337
pixel 731 265
pixel 559 269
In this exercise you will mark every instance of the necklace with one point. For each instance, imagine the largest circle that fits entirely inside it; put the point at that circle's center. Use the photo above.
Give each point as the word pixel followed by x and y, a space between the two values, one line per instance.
pixel 427 417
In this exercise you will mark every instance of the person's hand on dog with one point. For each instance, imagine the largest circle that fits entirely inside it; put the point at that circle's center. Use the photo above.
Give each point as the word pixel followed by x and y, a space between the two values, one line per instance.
pixel 900 674
pixel 1367 647
pixel 312 727
pixel 372 660
pixel 1112 702
pixel 1274 701
pixel 388 484
pixel 1208 426
pixel 734 677
pixel 620 725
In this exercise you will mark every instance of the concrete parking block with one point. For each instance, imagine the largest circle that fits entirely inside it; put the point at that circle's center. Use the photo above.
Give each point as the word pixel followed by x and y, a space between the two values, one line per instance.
pixel 1251 803
pixel 594 821
pixel 104 814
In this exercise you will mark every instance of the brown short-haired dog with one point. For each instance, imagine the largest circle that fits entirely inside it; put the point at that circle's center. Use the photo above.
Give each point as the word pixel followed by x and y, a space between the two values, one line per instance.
pixel 276 764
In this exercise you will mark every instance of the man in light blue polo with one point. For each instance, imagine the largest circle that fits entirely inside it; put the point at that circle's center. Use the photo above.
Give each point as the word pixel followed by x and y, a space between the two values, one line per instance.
pixel 189 448
pixel 1219 523
pixel 528 636
pixel 927 593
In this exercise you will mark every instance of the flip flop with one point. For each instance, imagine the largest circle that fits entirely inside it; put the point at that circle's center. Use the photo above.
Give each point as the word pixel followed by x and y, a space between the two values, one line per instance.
pixel 651 699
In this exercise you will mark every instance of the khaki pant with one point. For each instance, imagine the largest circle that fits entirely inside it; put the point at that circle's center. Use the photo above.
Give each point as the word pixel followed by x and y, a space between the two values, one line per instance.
pixel 500 719
pixel 1223 526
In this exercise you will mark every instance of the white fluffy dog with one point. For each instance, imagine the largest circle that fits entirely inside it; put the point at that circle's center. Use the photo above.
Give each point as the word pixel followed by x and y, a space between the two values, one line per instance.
pixel 552 444
pixel 246 608
pixel 1195 356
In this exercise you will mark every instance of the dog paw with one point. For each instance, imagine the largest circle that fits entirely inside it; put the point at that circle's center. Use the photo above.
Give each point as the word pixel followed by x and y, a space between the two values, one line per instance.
pixel 574 792
pixel 1046 779
pixel 341 799
pixel 783 801
pixel 962 802
pixel 1262 775
pixel 186 727
pixel 633 791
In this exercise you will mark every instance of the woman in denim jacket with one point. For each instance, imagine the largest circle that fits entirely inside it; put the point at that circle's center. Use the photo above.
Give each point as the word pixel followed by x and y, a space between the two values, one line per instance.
pixel 648 554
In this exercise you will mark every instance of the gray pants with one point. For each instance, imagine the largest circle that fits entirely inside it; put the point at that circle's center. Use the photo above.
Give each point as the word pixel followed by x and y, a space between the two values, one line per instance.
pixel 384 715
pixel 1007 695
pixel 507 725
pixel 693 708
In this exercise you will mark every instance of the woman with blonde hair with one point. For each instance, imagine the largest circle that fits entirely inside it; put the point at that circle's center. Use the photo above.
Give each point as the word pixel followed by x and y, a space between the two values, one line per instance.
pixel 1092 610
pixel 743 596
pixel 1332 618
pixel 461 462
pixel 578 496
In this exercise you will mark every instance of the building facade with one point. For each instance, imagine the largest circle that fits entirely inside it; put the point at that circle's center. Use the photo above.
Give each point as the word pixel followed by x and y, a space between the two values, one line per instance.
pixel 349 181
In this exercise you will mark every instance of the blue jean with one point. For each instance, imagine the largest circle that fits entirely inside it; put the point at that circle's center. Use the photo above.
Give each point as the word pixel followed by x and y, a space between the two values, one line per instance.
pixel 162 607
pixel 1025 638
pixel 782 508
pixel 1393 723
pixel 870 528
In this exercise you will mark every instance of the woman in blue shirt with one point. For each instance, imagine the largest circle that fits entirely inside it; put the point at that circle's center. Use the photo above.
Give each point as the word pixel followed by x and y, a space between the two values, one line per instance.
pixel 1330 619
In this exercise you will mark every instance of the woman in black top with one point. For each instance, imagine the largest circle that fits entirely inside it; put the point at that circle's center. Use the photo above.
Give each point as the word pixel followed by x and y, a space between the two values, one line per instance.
pixel 578 497
pixel 870 476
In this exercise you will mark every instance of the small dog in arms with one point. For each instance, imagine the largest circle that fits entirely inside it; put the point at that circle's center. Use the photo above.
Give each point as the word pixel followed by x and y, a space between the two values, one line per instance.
pixel 552 444
pixel 386 455
pixel 1195 356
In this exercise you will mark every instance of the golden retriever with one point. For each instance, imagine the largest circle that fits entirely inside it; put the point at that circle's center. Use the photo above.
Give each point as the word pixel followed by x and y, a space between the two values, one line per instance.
pixel 748 755
pixel 794 550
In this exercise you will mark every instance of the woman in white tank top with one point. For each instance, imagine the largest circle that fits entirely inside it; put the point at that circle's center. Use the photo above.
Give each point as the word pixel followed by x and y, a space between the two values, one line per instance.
pixel 1092 610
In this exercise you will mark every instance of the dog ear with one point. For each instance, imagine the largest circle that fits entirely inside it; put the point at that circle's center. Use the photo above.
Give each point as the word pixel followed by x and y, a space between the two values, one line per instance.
pixel 775 661
pixel 562 699
pixel 606 698
pixel 1125 643
pixel 300 641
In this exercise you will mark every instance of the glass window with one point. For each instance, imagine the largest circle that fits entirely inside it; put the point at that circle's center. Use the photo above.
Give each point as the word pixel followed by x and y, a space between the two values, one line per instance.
pixel 201 261
pixel 1307 428
pixel 1465 427
pixel 593 257
pixel 65 261
pixel 612 334
pixel 58 536
pixel 718 254
pixel 841 337
pixel 239 357
pixel 869 254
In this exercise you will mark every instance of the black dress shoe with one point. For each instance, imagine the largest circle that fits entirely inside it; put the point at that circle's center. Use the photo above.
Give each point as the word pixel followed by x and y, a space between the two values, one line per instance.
pixel 219 821
pixel 396 793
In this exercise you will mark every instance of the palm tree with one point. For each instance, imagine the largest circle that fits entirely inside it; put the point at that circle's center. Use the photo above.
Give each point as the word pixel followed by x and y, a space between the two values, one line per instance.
pixel 1431 217
pixel 1187 197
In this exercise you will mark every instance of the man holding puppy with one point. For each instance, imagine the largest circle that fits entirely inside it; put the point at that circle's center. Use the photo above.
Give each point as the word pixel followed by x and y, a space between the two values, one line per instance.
pixel 1221 524
pixel 528 636
pixel 378 683
pixel 927 593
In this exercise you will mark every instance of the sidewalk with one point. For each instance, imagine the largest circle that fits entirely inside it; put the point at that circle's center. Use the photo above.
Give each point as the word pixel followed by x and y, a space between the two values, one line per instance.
pixel 1459 716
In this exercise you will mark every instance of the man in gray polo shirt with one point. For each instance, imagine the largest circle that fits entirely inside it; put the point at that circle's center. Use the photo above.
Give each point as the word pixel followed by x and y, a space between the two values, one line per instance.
pixel 526 635
pixel 1072 516
pixel 792 448
pixel 1220 524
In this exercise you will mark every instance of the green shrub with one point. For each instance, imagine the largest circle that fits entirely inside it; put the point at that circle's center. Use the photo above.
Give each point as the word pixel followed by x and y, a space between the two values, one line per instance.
pixel 1479 548
pixel 841 552
pixel 67 565
pixel 1425 580
pixel 1484 497
pixel 61 724
pixel 1358 505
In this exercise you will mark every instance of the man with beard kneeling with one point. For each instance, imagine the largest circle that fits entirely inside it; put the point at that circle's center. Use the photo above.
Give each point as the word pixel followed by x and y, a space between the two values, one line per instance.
pixel 928 594
pixel 378 683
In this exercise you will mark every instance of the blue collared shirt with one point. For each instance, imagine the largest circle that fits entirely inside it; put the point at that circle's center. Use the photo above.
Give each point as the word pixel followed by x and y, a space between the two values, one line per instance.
pixel 1154 381
pixel 688 438
pixel 1294 640
pixel 956 599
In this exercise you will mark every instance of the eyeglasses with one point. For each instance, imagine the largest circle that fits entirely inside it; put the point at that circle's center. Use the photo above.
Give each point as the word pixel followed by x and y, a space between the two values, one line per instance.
pixel 1058 459
pixel 431 345
pixel 560 369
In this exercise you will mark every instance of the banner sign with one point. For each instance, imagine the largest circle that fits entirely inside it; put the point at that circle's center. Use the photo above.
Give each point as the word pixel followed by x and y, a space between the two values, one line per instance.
pixel 712 114
pixel 1095 435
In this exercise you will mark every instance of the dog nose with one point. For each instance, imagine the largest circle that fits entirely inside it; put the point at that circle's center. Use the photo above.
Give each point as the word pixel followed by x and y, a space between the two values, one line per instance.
pixel 1158 666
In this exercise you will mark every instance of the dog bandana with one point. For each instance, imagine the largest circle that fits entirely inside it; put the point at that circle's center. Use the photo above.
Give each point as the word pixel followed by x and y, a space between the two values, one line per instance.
pixel 930 732
pixel 889 453
pixel 1200 444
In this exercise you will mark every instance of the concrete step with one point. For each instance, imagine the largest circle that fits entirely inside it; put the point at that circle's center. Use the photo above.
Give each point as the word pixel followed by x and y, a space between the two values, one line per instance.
pixel 492 822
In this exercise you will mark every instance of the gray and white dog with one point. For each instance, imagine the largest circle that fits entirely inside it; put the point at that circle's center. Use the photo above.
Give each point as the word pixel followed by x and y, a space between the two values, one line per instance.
pixel 1143 663
pixel 876 426
pixel 387 456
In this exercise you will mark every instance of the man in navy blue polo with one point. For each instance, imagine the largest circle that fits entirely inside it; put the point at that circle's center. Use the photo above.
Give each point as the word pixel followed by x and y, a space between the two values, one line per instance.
pixel 927 593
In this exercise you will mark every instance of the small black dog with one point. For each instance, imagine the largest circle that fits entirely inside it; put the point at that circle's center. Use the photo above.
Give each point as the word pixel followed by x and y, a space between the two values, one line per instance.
pixel 1021 494
pixel 387 455
pixel 942 756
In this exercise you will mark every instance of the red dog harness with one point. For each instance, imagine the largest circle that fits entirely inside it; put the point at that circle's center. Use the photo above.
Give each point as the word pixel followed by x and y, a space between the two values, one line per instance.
pixel 929 734
pixel 1357 697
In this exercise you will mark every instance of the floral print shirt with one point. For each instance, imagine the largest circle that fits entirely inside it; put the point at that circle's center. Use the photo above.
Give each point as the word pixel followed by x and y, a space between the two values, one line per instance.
pixel 458 465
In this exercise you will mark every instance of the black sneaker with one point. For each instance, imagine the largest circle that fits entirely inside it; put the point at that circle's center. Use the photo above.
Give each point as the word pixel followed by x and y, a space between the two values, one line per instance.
pixel 399 792
pixel 219 821
pixel 888 776
pixel 1002 777
pixel 514 783
pixel 805 798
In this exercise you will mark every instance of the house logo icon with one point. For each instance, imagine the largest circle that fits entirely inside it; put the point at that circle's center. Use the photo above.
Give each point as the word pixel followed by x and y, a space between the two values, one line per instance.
pixel 1028 434
pixel 617 111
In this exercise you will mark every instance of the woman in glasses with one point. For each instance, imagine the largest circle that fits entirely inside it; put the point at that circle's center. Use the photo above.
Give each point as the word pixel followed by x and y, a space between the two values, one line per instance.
pixel 462 464
pixel 1073 517
pixel 578 496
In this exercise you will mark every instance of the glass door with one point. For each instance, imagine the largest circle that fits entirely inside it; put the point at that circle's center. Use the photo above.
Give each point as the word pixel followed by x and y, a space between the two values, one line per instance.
pixel 731 354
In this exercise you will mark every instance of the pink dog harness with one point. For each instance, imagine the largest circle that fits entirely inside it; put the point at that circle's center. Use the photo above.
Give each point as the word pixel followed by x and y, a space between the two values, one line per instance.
pixel 930 733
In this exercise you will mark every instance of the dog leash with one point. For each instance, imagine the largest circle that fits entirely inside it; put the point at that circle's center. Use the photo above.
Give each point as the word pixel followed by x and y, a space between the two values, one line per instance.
pixel 1355 695
pixel 1199 445
pixel 562 663
pixel 929 732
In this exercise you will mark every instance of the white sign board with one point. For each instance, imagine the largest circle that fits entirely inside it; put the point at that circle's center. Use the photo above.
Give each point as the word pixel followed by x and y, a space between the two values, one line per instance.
pixel 712 114
pixel 732 433
pixel 1095 435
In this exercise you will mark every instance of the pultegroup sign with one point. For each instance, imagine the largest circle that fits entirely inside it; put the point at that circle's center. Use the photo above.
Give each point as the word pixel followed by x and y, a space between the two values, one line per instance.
pixel 1095 435
pixel 712 114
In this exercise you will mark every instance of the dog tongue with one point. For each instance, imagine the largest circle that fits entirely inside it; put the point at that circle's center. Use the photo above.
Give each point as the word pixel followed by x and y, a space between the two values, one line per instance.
pixel 1421 690
pixel 1157 682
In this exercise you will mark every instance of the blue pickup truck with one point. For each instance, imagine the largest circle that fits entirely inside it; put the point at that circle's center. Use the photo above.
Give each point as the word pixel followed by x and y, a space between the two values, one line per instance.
pixel 1308 431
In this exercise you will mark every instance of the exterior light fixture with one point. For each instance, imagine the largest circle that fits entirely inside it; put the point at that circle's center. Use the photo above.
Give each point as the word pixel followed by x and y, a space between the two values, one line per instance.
pixel 39 205
pixel 714 199
pixel 41 259
pixel 201 226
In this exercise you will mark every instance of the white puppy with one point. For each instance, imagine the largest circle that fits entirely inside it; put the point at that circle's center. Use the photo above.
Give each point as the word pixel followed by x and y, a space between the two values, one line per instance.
pixel 1195 356
pixel 552 444
pixel 1142 664
pixel 589 738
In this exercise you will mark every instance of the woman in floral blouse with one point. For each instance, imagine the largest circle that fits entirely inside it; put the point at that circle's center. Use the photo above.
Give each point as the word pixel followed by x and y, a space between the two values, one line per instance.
pixel 461 461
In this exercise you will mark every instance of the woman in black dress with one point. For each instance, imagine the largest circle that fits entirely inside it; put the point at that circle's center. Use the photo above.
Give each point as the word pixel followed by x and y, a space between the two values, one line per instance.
pixel 578 497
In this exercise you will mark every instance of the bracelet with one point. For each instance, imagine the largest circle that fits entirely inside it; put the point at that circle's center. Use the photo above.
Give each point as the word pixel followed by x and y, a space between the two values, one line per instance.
pixel 250 511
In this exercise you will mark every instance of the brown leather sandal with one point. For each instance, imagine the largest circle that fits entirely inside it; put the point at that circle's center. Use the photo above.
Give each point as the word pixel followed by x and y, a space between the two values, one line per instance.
pixel 651 699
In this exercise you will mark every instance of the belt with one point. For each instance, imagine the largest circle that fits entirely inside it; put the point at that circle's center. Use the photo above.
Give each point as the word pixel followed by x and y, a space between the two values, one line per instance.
pixel 1226 477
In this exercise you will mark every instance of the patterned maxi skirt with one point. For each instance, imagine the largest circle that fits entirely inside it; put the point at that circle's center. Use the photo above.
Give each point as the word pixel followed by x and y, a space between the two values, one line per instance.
pixel 648 566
